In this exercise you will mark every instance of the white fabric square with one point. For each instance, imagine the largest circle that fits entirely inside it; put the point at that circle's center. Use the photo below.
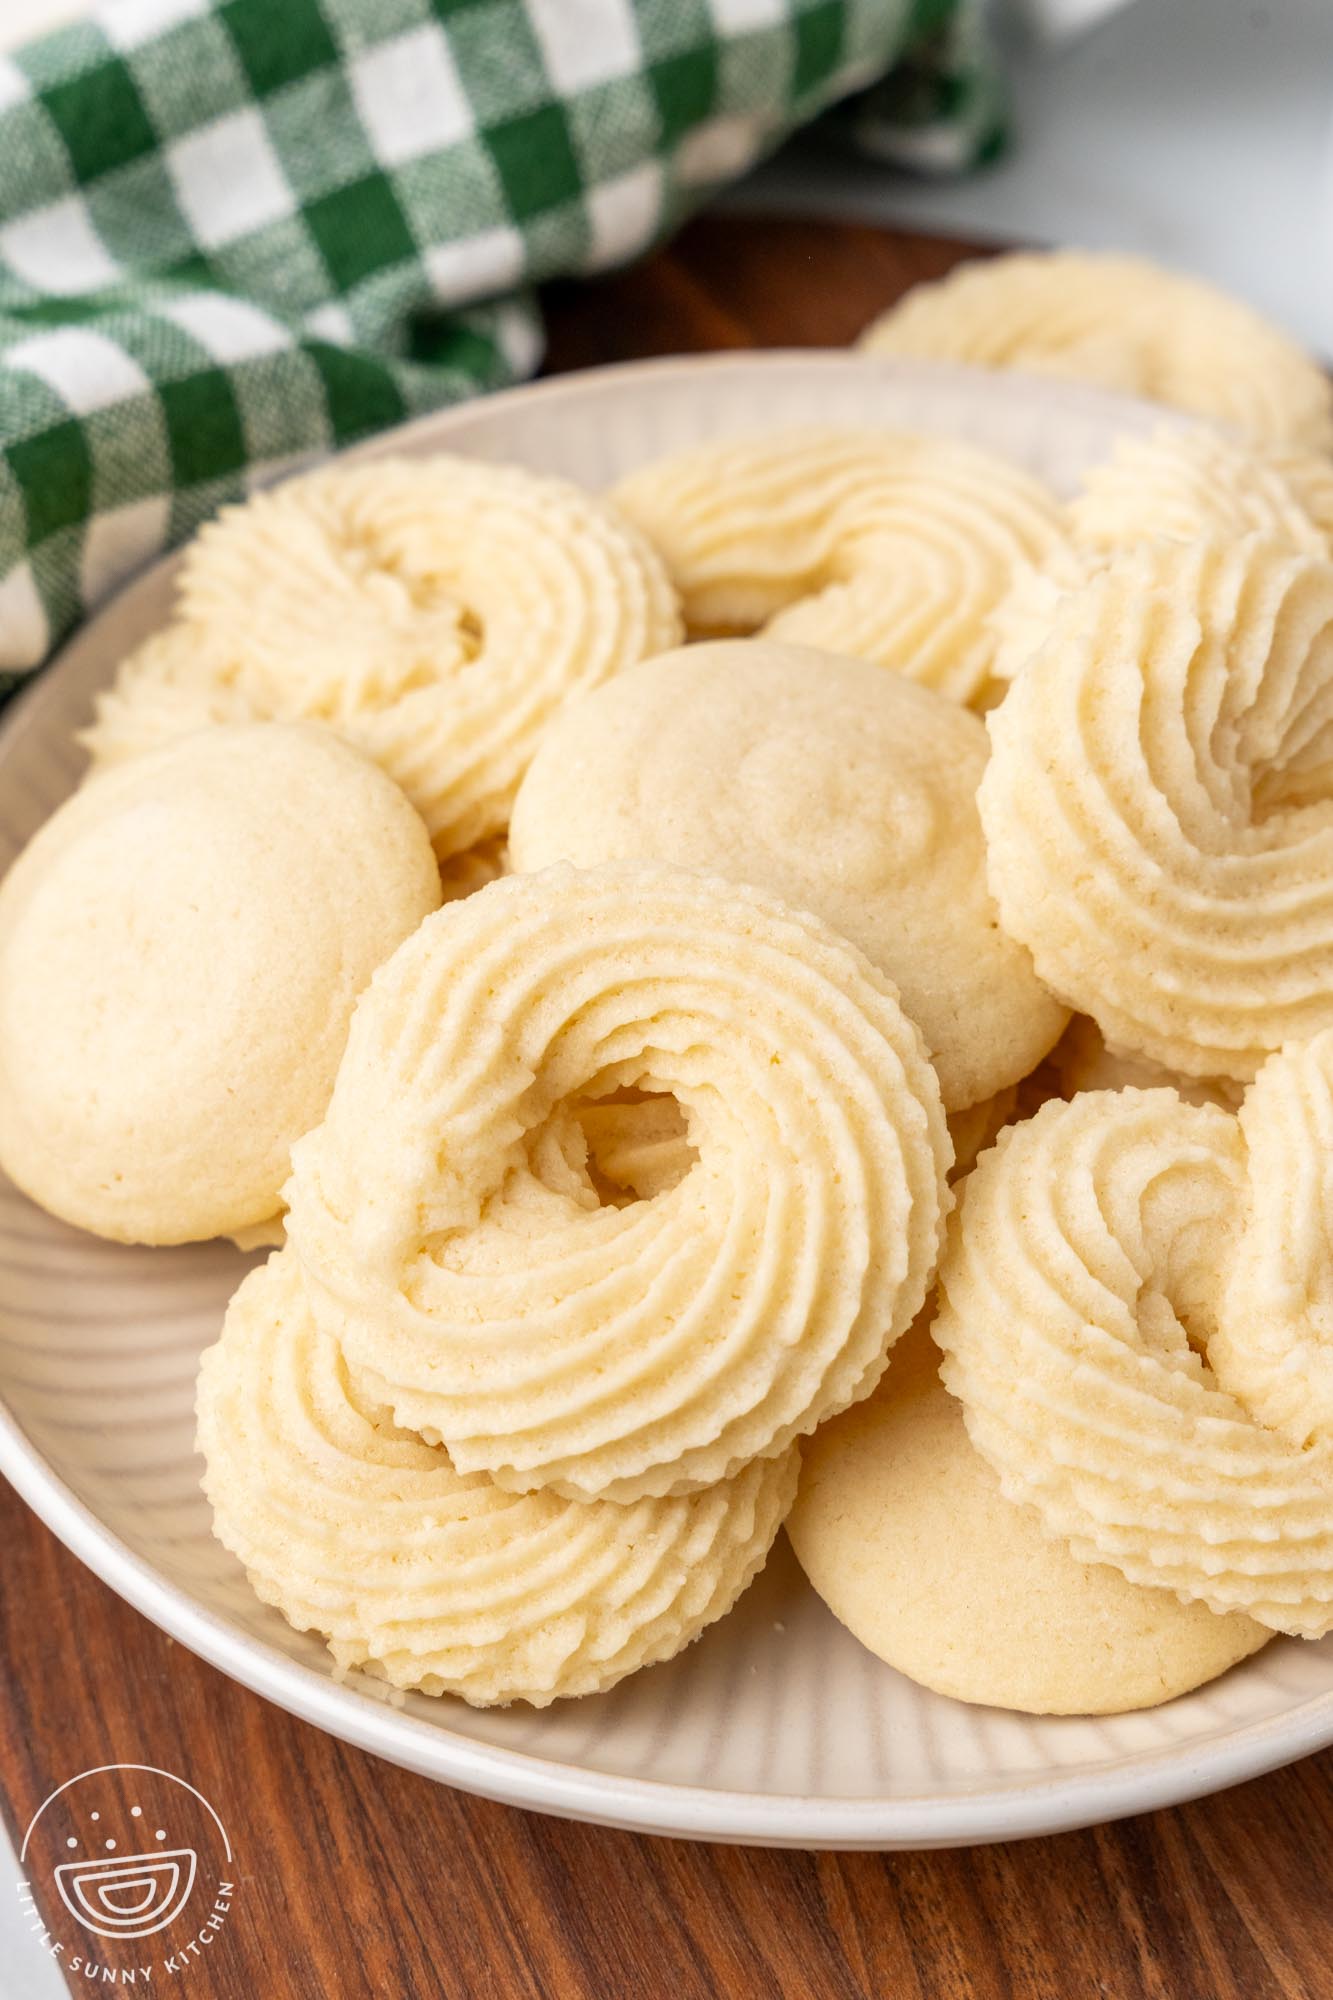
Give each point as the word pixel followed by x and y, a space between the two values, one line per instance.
pixel 87 371
pixel 409 96
pixel 331 322
pixel 585 42
pixel 128 24
pixel 740 17
pixel 474 267
pixel 231 329
pixel 25 636
pixel 519 337
pixel 120 542
pixel 228 179
pixel 624 213
pixel 718 150
pixel 14 86
pixel 58 250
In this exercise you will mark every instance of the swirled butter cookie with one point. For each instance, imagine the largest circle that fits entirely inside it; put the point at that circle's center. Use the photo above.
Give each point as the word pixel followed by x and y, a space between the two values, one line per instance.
pixel 1197 482
pixel 1181 485
pixel 891 546
pixel 436 612
pixel 1309 474
pixel 837 787
pixel 1274 1345
pixel 436 1579
pixel 175 682
pixel 1024 618
pixel 1124 323
pixel 902 1528
pixel 1158 804
pixel 484 1291
pixel 181 947
pixel 1090 1332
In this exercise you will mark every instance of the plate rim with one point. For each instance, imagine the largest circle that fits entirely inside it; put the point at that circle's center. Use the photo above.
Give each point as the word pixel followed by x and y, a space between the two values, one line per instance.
pixel 1024 1809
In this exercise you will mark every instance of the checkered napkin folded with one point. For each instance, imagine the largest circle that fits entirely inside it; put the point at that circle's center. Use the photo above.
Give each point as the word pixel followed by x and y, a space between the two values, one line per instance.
pixel 238 233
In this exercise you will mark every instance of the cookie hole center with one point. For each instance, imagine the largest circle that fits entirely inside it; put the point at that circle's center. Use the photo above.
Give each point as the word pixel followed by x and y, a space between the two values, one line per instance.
pixel 438 630
pixel 638 1145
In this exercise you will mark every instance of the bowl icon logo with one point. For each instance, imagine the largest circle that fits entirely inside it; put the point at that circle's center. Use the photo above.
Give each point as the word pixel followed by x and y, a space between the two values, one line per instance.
pixel 123 1853
pixel 129 1896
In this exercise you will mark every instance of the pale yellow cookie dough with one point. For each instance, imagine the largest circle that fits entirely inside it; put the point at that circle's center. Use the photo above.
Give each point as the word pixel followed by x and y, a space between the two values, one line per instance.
pixel 902 1528
pixel 434 1579
pixel 840 788
pixel 181 947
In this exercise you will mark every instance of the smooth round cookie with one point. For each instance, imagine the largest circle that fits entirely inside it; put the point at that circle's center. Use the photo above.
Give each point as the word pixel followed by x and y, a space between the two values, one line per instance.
pixel 181 947
pixel 436 612
pixel 456 1242
pixel 436 1579
pixel 832 785
pixel 1126 324
pixel 891 546
pixel 902 1528
pixel 1158 804
pixel 1091 1332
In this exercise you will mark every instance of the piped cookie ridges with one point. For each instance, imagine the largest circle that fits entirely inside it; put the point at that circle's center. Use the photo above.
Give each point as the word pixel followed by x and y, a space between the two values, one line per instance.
pixel 1159 803
pixel 1127 324
pixel 435 612
pixel 434 1579
pixel 889 546
pixel 1083 1287
pixel 482 1289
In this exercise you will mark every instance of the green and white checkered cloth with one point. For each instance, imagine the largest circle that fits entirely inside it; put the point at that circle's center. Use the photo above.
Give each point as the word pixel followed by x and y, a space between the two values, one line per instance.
pixel 238 233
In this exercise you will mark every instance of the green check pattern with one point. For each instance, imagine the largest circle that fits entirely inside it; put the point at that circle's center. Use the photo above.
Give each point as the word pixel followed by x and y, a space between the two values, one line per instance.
pixel 236 234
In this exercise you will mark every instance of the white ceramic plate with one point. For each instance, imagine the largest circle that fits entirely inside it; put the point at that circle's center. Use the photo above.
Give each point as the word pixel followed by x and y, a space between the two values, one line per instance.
pixel 776 1726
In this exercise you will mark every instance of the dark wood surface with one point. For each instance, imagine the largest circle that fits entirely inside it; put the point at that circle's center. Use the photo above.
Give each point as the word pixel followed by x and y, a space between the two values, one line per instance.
pixel 355 1879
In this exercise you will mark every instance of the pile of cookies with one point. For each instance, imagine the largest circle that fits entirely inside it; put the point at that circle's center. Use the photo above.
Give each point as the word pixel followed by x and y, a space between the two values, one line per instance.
pixel 799 990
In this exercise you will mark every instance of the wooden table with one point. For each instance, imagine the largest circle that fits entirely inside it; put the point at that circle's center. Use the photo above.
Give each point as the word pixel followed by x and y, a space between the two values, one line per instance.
pixel 358 1880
